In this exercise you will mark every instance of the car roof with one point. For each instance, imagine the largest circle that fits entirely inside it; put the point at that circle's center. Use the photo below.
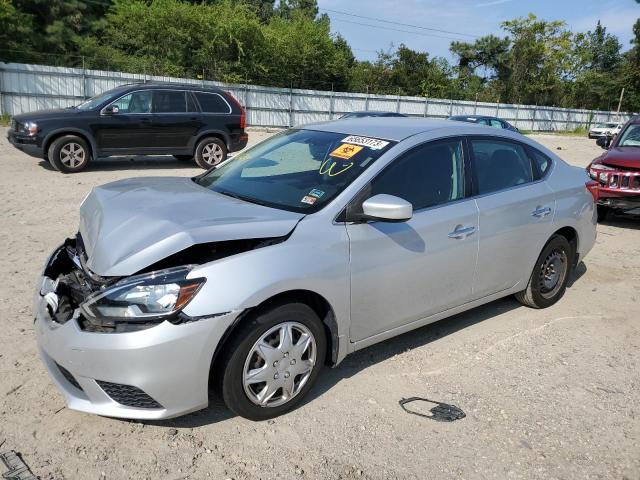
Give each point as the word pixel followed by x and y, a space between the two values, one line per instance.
pixel 390 128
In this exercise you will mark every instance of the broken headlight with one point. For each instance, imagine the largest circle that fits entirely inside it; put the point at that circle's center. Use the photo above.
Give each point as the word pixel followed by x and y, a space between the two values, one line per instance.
pixel 144 298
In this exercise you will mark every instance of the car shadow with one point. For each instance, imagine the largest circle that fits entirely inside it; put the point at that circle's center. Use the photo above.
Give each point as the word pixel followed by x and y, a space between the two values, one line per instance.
pixel 161 162
pixel 622 220
pixel 370 356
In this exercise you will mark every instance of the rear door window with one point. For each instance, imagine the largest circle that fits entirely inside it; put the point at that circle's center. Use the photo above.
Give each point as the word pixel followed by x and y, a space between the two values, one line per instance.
pixel 499 164
pixel 212 103
pixel 191 102
pixel 169 101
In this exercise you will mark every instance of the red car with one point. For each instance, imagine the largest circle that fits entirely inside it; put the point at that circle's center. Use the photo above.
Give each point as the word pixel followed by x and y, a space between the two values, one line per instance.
pixel 618 171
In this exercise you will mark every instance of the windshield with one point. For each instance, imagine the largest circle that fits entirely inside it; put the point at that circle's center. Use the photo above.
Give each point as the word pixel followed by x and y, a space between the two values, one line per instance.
pixel 99 99
pixel 630 137
pixel 297 170
pixel 606 125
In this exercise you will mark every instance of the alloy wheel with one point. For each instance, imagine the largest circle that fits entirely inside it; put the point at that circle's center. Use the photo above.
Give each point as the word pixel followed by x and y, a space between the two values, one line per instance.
pixel 72 154
pixel 212 154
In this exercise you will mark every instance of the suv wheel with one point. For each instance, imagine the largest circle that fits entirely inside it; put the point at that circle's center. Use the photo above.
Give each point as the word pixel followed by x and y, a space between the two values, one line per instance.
pixel 69 154
pixel 210 152
pixel 548 281
pixel 273 361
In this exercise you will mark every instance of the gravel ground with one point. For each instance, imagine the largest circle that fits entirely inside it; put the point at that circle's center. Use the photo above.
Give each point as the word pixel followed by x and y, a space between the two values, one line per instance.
pixel 548 394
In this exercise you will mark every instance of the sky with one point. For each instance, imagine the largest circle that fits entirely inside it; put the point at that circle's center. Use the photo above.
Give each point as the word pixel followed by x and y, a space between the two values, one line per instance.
pixel 468 19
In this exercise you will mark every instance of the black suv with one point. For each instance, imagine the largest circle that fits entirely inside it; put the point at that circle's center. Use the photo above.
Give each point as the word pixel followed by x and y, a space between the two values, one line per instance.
pixel 186 121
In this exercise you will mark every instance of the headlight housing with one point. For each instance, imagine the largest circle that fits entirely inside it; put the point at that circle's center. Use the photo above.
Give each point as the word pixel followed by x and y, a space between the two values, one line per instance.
pixel 30 128
pixel 144 298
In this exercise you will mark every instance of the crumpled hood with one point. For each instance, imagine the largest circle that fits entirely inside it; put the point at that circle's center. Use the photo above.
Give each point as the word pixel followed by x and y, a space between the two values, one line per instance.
pixel 622 157
pixel 130 224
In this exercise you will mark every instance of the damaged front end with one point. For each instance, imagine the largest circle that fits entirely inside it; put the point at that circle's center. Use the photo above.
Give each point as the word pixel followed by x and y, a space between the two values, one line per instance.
pixel 159 292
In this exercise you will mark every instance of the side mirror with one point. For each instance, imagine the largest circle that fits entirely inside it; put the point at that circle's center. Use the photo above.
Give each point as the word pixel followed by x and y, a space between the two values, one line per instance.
pixel 604 142
pixel 387 208
pixel 110 109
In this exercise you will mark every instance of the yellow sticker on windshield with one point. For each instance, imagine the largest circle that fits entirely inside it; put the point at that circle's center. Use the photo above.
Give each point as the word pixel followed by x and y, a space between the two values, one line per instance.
pixel 346 151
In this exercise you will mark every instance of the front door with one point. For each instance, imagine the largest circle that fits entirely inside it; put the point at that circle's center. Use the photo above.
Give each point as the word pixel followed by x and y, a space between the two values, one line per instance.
pixel 129 128
pixel 404 272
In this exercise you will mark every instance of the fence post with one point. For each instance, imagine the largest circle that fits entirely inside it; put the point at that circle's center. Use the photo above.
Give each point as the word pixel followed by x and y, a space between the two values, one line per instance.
pixel 515 122
pixel 553 121
pixel 450 106
pixel 291 105
pixel 533 119
pixel 426 107
pixel 475 105
pixel 331 103
pixel 84 80
pixel 1 92
pixel 366 101
pixel 398 103
pixel 498 109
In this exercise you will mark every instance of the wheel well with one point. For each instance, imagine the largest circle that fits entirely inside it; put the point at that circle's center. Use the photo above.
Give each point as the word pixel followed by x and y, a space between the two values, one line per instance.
pixel 572 237
pixel 313 300
pixel 55 136
pixel 219 136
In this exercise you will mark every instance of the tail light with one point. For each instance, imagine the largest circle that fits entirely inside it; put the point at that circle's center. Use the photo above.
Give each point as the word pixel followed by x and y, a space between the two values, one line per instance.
pixel 243 112
pixel 594 189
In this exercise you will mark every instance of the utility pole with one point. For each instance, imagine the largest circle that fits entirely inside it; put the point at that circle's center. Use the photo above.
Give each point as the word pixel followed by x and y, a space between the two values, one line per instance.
pixel 619 105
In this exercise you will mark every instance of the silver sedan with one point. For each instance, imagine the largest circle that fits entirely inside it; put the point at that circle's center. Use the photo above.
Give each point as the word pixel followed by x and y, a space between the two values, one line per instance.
pixel 318 242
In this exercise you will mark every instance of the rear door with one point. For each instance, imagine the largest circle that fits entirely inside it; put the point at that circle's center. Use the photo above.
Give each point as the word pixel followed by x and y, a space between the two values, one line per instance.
pixel 129 129
pixel 516 210
pixel 404 272
pixel 175 120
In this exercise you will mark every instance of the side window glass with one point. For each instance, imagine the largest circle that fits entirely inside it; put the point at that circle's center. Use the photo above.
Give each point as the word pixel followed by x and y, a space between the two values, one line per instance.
pixel 191 103
pixel 429 175
pixel 500 164
pixel 136 102
pixel 169 101
pixel 484 121
pixel 541 161
pixel 212 103
pixel 496 123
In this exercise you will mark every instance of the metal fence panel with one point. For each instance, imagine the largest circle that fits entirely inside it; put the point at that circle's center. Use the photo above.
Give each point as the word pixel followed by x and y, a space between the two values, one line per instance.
pixel 26 88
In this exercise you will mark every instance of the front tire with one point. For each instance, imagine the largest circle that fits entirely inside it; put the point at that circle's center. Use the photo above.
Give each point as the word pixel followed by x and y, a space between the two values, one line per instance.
pixel 210 152
pixel 272 361
pixel 603 212
pixel 549 278
pixel 69 154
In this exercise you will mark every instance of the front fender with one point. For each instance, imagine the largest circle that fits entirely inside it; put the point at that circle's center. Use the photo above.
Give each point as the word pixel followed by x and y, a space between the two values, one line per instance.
pixel 70 131
pixel 312 260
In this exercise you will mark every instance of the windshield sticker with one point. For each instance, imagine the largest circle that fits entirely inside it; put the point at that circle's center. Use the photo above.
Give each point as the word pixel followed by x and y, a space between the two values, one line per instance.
pixel 316 193
pixel 346 151
pixel 372 143
pixel 309 200
pixel 333 169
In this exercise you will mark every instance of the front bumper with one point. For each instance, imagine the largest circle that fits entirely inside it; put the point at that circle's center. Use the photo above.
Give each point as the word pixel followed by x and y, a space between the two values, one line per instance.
pixel 167 366
pixel 29 145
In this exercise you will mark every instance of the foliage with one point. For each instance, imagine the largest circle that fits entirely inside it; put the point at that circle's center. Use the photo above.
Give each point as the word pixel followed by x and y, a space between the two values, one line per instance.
pixel 287 43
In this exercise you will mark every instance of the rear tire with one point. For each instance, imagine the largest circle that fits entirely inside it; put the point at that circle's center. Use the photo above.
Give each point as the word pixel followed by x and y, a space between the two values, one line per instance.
pixel 260 345
pixel 69 154
pixel 550 275
pixel 210 152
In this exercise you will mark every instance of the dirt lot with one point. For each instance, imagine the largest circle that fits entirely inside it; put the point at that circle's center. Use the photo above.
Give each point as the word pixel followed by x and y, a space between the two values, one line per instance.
pixel 548 394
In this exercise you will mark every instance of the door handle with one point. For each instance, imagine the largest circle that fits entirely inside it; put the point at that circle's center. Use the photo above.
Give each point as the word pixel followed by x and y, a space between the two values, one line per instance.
pixel 461 232
pixel 541 212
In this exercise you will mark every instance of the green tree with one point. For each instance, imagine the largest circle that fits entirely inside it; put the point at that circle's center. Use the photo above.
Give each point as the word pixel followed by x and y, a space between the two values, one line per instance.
pixel 15 29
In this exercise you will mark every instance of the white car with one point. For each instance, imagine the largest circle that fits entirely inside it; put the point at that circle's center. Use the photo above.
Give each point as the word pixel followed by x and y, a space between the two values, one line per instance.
pixel 605 129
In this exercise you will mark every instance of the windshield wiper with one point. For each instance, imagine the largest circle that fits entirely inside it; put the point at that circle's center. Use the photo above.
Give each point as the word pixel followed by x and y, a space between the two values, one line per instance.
pixel 242 197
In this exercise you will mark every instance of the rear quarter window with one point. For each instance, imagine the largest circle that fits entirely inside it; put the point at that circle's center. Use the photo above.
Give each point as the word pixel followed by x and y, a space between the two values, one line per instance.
pixel 541 163
pixel 212 103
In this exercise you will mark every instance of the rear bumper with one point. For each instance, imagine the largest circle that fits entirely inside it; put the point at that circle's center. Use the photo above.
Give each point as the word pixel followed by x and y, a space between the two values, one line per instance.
pixel 29 145
pixel 239 143
pixel 161 372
